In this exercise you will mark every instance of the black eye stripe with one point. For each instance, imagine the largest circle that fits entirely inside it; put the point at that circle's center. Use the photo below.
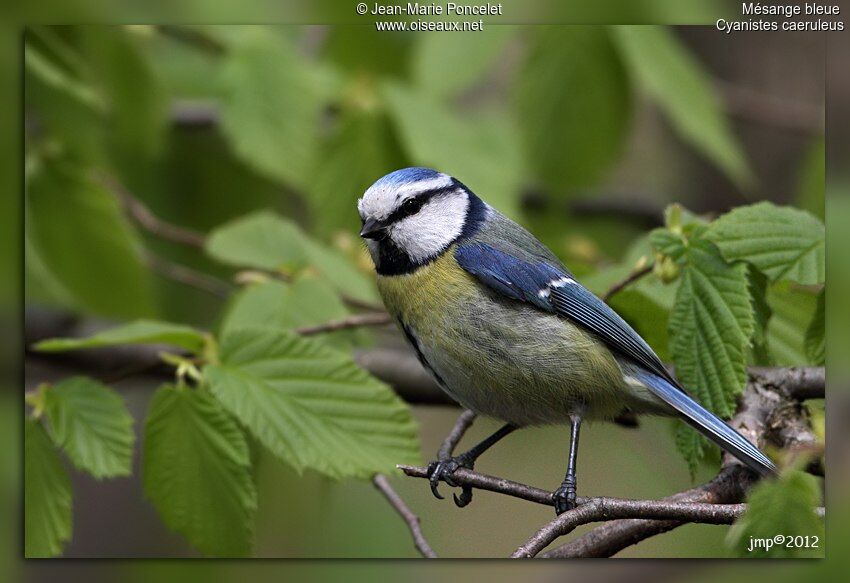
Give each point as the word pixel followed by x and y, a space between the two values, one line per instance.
pixel 406 209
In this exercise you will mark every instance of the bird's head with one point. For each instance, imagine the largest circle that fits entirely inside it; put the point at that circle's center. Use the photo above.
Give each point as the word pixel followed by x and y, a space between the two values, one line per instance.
pixel 411 216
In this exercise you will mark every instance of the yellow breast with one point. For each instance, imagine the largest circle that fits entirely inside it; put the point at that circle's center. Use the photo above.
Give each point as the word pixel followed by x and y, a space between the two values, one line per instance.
pixel 428 291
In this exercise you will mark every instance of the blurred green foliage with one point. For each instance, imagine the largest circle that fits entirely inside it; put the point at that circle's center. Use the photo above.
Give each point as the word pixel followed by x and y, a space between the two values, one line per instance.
pixel 209 125
pixel 303 119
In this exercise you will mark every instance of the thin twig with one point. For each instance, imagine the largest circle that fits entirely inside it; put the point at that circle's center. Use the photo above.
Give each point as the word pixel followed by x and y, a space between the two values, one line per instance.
pixel 355 321
pixel 728 487
pixel 146 219
pixel 465 477
pixel 596 509
pixel 383 484
pixel 769 412
pixel 359 304
pixel 188 276
pixel 398 367
pixel 628 280
pixel 461 426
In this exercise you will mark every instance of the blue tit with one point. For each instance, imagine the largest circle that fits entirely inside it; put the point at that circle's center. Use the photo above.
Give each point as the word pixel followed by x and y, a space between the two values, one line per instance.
pixel 504 327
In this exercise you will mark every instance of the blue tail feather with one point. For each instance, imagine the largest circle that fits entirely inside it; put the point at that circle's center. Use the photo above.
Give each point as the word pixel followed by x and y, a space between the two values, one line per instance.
pixel 709 424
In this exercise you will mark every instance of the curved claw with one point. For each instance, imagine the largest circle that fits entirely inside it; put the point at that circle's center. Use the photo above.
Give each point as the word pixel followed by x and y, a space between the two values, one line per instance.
pixel 465 497
pixel 443 470
pixel 435 482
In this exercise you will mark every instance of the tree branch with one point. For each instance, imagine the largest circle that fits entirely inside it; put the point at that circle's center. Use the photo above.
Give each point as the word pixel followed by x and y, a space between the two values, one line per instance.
pixel 397 367
pixel 769 414
pixel 798 382
pixel 355 321
pixel 464 477
pixel 146 219
pixel 763 417
pixel 187 276
pixel 628 280
pixel 597 509
pixel 383 485
pixel 728 487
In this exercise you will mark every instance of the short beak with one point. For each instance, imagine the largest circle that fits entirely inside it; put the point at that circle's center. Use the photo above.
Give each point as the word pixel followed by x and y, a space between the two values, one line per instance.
pixel 373 229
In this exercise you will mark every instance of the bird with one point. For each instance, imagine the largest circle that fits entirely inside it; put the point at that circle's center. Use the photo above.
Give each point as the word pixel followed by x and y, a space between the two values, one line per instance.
pixel 505 328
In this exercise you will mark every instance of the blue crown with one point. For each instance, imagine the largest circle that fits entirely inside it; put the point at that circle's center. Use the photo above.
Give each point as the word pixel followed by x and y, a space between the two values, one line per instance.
pixel 405 176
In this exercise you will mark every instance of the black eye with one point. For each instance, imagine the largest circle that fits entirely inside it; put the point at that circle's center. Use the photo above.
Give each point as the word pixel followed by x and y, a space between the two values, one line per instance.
pixel 411 206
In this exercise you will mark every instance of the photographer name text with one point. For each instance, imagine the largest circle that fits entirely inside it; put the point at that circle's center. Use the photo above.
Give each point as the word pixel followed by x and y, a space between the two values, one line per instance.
pixel 432 9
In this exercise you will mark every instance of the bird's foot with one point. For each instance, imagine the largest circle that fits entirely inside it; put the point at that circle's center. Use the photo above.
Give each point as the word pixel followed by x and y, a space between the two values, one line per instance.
pixel 444 470
pixel 565 497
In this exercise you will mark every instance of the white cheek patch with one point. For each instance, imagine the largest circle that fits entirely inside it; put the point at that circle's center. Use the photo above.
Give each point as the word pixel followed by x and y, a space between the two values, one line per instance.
pixel 436 226
pixel 560 282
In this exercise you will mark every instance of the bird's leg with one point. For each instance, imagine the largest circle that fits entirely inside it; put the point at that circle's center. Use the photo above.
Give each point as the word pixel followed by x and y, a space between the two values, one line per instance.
pixel 443 469
pixel 565 496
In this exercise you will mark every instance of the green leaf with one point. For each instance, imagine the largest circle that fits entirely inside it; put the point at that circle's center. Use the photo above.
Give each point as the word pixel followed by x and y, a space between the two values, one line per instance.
pixel 364 52
pixel 90 422
pixel 361 150
pixel 693 446
pixel 307 301
pixel 793 310
pixel 815 341
pixel 782 507
pixel 784 243
pixel 311 405
pixel 137 105
pixel 340 271
pixel 51 74
pixel 138 332
pixel 271 106
pixel 47 495
pixel 197 471
pixel 667 71
pixel 446 64
pixel 261 240
pixel 69 107
pixel 574 100
pixel 710 328
pixel 83 238
pixel 762 314
pixel 480 150
pixel 668 243
pixel 266 241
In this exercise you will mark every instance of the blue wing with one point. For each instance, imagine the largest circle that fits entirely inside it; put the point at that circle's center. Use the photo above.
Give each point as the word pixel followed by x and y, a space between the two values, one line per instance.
pixel 553 289
pixel 709 424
